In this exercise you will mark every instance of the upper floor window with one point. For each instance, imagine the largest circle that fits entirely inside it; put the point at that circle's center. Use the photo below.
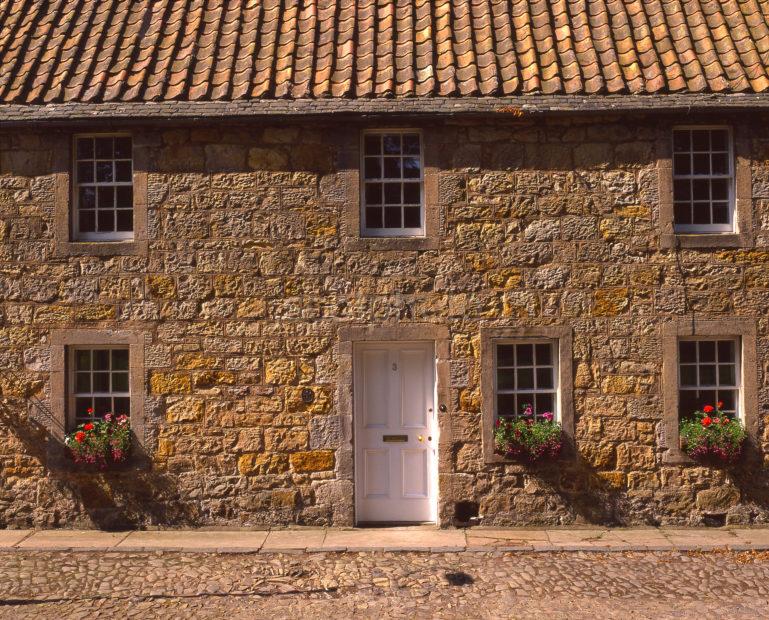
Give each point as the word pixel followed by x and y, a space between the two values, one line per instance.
pixel 392 184
pixel 703 180
pixel 103 188
pixel 525 375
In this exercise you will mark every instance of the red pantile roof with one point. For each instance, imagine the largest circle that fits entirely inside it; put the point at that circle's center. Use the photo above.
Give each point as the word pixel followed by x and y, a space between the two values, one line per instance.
pixel 92 51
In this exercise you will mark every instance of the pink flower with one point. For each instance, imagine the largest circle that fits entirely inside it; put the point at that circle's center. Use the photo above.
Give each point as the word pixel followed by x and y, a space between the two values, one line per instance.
pixel 548 416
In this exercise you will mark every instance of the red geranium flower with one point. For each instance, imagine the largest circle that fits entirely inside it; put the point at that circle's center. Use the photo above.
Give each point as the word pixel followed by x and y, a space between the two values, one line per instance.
pixel 707 408
pixel 706 421
pixel 88 427
pixel 89 410
pixel 725 420
pixel 79 436
pixel 720 404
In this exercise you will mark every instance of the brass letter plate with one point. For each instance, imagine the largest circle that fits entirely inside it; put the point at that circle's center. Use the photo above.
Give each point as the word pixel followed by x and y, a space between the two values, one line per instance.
pixel 395 438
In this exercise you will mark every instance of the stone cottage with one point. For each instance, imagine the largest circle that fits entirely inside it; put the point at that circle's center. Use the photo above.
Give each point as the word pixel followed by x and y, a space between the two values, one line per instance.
pixel 316 249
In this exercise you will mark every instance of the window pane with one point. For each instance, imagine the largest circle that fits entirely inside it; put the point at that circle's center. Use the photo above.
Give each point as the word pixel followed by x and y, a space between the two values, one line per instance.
pixel 83 382
pixel 102 406
pixel 689 375
pixel 701 163
pixel 104 148
pixel 123 148
pixel 392 217
pixel 719 139
pixel 123 171
pixel 83 360
pixel 87 198
pixel 372 145
pixel 720 213
pixel 120 359
pixel 392 194
pixel 124 220
pixel 544 354
pixel 719 189
pixel 505 379
pixel 688 403
pixel 682 164
pixel 82 405
pixel 411 144
pixel 701 189
pixel 104 171
pixel 707 374
pixel 726 375
pixel 544 403
pixel 683 213
pixel 682 190
pixel 106 197
pixel 525 379
pixel 124 197
pixel 544 378
pixel 412 217
pixel 85 172
pixel 122 406
pixel 701 140
pixel 373 168
pixel 726 350
pixel 391 144
pixel 106 221
pixel 101 382
pixel 525 355
pixel 119 381
pixel 720 163
pixel 374 217
pixel 411 194
pixel 373 193
pixel 101 359
pixel 706 397
pixel 687 351
pixel 505 405
pixel 701 213
pixel 392 167
pixel 707 351
pixel 85 148
pixel 729 399
pixel 86 221
pixel 525 400
pixel 411 168
pixel 505 355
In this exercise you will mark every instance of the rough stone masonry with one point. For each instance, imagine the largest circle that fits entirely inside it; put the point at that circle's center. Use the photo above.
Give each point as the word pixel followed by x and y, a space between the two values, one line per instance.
pixel 252 266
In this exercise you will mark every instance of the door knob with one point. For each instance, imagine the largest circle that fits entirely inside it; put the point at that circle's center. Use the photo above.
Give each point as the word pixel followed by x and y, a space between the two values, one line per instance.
pixel 420 438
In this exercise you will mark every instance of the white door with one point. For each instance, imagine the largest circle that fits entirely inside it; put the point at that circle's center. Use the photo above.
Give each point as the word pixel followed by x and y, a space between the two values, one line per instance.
pixel 396 440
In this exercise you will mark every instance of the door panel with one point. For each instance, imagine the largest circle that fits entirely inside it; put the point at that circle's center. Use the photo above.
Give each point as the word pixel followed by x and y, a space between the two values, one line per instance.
pixel 395 432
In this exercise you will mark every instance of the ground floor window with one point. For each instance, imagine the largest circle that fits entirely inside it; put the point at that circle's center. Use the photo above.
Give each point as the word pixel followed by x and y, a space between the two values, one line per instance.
pixel 99 380
pixel 525 376
pixel 709 373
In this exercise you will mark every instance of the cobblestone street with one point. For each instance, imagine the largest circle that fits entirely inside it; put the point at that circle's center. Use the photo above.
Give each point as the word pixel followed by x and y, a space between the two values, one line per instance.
pixel 470 585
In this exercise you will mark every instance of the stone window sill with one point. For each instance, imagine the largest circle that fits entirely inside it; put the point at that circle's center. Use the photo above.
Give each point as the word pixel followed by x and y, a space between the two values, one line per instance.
pixel 100 248
pixel 377 244
pixel 706 240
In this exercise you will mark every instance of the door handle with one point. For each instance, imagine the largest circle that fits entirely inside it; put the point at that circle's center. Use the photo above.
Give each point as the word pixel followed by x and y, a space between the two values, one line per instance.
pixel 420 438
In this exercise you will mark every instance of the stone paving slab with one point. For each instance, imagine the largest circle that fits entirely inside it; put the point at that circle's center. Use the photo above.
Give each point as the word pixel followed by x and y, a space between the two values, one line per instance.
pixel 200 540
pixel 9 538
pixel 394 539
pixel 72 540
pixel 391 539
pixel 282 541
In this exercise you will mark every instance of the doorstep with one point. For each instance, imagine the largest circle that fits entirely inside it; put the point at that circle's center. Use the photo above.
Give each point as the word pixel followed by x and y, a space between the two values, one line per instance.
pixel 399 539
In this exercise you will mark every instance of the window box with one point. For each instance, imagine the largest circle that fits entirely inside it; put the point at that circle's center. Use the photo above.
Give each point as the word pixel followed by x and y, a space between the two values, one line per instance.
pixel 712 436
pixel 104 443
pixel 527 439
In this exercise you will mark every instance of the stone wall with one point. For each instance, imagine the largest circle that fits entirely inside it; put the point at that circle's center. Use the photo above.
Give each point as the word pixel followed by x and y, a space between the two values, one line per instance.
pixel 248 278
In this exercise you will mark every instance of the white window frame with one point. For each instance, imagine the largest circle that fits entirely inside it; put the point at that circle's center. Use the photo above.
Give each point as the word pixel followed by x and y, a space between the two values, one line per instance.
pixel 72 418
pixel 100 236
pixel 392 232
pixel 737 340
pixel 555 390
pixel 730 176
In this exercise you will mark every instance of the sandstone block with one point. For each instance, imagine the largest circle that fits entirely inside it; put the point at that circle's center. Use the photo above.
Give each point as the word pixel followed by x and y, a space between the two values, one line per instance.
pixel 284 498
pixel 611 301
pixel 162 287
pixel 321 404
pixel 316 460
pixel 285 439
pixel 632 457
pixel 170 383
pixel 267 159
pixel 214 378
pixel 185 410
pixel 717 500
pixel 261 464
pixel 280 371
pixel 95 312
pixel 250 440
pixel 326 432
